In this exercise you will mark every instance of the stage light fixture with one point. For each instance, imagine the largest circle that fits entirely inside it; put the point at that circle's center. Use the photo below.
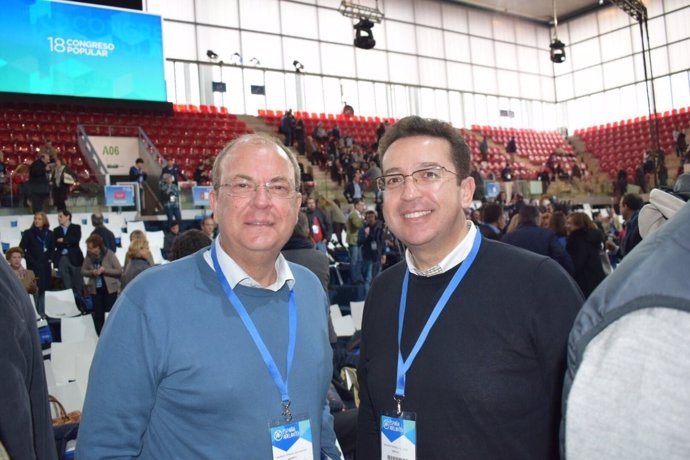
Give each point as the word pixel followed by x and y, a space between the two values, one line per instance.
pixel 557 51
pixel 236 59
pixel 255 62
pixel 212 55
pixel 299 67
pixel 364 37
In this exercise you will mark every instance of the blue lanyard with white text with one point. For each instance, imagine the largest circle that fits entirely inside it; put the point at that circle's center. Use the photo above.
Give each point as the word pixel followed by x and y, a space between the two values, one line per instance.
pixel 256 337
pixel 404 365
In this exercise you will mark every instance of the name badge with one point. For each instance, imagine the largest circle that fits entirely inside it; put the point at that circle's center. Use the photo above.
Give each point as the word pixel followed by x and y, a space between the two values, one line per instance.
pixel 292 440
pixel 399 436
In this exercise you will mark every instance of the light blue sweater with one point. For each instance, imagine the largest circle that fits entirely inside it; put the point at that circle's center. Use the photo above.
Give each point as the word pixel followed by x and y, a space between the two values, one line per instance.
pixel 177 375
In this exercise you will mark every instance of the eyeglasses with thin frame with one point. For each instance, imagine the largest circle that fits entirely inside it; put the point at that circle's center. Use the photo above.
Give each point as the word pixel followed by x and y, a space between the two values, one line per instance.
pixel 425 178
pixel 244 188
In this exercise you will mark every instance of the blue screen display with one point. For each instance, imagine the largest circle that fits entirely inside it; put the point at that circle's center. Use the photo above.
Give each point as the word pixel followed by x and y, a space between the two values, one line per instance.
pixel 200 194
pixel 68 49
pixel 119 195
pixel 491 189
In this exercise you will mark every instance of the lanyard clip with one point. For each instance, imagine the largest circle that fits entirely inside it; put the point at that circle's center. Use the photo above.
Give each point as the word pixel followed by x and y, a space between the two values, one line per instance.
pixel 287 413
pixel 398 404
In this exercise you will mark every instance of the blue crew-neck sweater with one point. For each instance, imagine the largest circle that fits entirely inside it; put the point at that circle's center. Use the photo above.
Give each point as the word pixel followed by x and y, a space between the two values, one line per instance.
pixel 177 375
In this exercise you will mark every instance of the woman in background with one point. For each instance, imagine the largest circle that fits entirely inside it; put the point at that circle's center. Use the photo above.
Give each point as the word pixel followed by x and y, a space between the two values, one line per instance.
pixel 28 278
pixel 104 271
pixel 38 244
pixel 585 243
pixel 138 255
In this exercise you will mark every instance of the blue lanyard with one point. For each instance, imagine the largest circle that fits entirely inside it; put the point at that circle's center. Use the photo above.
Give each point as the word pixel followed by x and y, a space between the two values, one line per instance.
pixel 404 365
pixel 281 384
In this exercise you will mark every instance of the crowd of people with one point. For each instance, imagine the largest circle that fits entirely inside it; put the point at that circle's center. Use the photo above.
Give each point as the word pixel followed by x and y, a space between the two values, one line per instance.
pixel 463 344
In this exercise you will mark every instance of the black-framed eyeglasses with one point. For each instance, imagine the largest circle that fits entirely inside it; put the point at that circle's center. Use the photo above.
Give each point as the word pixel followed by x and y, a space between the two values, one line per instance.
pixel 427 177
pixel 244 188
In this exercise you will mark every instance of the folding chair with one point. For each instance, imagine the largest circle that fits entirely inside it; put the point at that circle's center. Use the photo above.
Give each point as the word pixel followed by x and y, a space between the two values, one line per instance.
pixel 77 329
pixel 61 304
pixel 356 310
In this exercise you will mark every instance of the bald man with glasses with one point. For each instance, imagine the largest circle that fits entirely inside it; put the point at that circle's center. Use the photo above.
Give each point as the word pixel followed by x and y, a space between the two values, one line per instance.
pixel 464 341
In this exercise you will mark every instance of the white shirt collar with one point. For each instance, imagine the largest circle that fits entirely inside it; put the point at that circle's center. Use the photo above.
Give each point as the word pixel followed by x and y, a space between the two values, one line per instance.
pixel 236 275
pixel 457 255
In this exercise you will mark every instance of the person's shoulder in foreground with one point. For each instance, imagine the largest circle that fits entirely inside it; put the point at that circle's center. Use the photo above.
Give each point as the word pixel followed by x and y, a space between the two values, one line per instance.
pixel 25 421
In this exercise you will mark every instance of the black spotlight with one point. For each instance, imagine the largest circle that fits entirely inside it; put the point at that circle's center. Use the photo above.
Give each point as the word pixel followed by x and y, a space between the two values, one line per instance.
pixel 212 55
pixel 299 67
pixel 365 37
pixel 557 51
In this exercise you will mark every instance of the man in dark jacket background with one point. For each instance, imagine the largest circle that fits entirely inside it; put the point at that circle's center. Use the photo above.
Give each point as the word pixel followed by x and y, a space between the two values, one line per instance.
pixel 536 239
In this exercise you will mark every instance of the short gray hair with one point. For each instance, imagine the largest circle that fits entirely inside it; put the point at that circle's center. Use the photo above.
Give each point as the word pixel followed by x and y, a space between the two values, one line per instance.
pixel 255 139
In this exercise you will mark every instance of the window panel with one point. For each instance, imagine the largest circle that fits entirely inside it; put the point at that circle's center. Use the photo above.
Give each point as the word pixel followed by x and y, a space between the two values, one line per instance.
pixel 403 68
pixel 367 99
pixel 548 89
pixel 456 117
pixel 372 64
pixel 530 86
pixel 659 62
pixel 481 110
pixel 506 56
pixel 616 45
pixel 432 72
pixel 338 60
pixel 504 28
pixel 582 28
pixel 527 59
pixel 484 79
pixel 680 89
pixel 297 20
pixel 427 12
pixel 460 76
pixel 275 91
pixel 678 55
pixel 313 95
pixel 611 18
pixel 172 9
pixel 178 40
pixel 398 9
pixel 334 27
pixel 427 104
pixel 585 54
pixel 382 102
pixel 457 46
pixel 662 94
pixel 429 42
pixel 217 12
pixel 618 73
pixel 468 104
pixel 677 25
pixel 267 21
pixel 526 33
pixel 454 17
pixel 332 94
pixel 254 102
pixel 564 87
pixel 508 83
pixel 480 23
pixel 588 81
pixel 482 51
pixel 401 37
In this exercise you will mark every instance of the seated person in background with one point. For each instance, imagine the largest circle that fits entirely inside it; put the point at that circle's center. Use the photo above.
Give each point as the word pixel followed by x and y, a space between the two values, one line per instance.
pixel 138 254
pixel 188 243
pixel 28 278
pixel 169 238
